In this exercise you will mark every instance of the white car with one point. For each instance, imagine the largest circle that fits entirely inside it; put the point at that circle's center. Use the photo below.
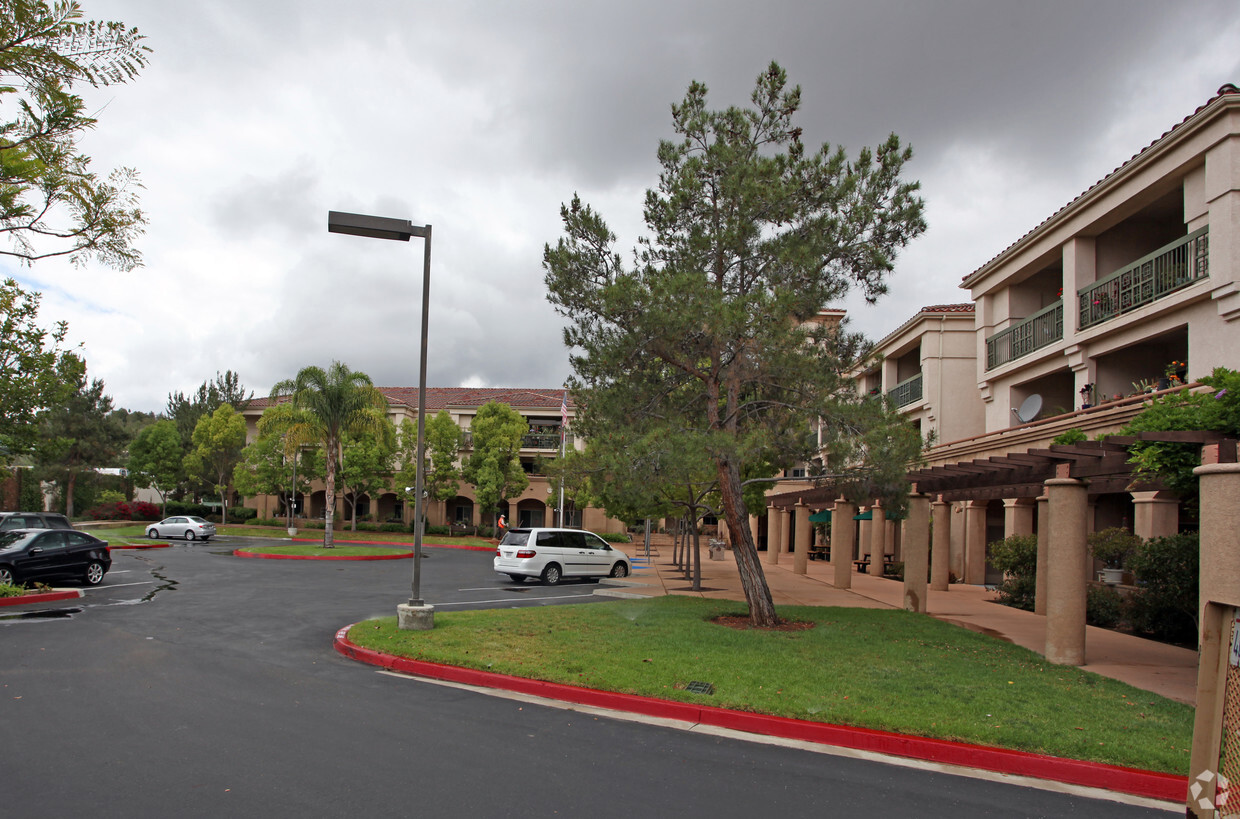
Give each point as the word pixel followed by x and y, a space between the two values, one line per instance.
pixel 189 527
pixel 552 554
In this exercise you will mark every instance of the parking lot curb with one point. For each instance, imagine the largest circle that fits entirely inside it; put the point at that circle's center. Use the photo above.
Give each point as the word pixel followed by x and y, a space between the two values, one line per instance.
pixel 43 597
pixel 1132 781
pixel 112 548
pixel 263 556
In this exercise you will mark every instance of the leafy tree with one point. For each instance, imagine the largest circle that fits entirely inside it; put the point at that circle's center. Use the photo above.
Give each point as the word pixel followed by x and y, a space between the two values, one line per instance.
pixel 1217 410
pixel 36 371
pixel 366 463
pixel 441 476
pixel 51 202
pixel 218 440
pixel 155 459
pixel 494 466
pixel 714 329
pixel 80 435
pixel 267 463
pixel 186 410
pixel 334 401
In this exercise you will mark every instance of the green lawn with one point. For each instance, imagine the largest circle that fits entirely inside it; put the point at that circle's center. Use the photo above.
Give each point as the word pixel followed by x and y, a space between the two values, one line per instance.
pixel 136 533
pixel 317 550
pixel 883 669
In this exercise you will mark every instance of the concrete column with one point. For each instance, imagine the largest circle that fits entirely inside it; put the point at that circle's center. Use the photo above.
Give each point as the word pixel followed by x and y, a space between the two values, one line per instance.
pixel 1155 514
pixel 957 540
pixel 1044 539
pixel 785 531
pixel 843 540
pixel 916 548
pixel 940 549
pixel 878 538
pixel 975 543
pixel 753 529
pixel 1017 516
pixel 773 535
pixel 804 532
pixel 1067 577
pixel 1219 484
pixel 863 534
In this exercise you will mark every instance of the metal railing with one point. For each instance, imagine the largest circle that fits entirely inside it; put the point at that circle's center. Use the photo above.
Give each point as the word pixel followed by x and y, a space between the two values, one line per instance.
pixel 1148 279
pixel 533 440
pixel 907 391
pixel 1042 328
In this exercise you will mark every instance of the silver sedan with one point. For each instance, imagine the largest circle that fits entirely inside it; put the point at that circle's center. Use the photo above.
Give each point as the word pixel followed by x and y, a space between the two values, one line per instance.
pixel 186 526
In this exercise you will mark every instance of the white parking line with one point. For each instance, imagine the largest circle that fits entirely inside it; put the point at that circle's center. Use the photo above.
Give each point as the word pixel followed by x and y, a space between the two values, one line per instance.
pixel 513 599
pixel 121 585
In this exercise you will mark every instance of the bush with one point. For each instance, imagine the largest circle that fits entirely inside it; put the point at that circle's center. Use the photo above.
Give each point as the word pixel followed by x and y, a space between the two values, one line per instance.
pixel 1017 558
pixel 268 522
pixel 317 524
pixel 400 527
pixel 240 514
pixel 1165 604
pixel 141 510
pixel 1070 436
pixel 430 530
pixel 616 537
pixel 1103 606
pixel 111 496
pixel 1113 546
pixel 116 510
pixel 367 526
pixel 10 590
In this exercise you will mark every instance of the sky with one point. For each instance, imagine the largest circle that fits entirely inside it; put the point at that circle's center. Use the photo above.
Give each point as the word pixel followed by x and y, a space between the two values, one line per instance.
pixel 255 118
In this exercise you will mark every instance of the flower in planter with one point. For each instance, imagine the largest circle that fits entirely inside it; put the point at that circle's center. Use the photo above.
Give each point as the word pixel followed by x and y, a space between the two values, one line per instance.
pixel 1113 546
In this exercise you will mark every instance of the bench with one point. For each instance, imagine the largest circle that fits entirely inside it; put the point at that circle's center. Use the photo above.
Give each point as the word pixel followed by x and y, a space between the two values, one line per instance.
pixel 862 565
pixel 819 553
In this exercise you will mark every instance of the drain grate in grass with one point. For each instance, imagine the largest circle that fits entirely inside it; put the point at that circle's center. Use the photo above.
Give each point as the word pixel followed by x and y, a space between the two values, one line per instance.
pixel 697 687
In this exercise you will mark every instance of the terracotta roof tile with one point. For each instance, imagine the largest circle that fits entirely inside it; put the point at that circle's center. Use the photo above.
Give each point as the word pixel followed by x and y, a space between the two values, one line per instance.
pixel 1225 90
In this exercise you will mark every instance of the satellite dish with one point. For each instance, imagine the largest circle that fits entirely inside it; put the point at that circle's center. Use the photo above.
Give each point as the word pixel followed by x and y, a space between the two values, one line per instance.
pixel 1029 409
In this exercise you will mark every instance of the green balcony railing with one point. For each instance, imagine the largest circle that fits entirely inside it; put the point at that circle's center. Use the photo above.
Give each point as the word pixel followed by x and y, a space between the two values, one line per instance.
pixel 906 392
pixel 1148 279
pixel 1042 328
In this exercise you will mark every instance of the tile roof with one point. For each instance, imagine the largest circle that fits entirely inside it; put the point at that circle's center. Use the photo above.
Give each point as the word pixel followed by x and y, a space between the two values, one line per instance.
pixel 966 307
pixel 1226 89
pixel 438 398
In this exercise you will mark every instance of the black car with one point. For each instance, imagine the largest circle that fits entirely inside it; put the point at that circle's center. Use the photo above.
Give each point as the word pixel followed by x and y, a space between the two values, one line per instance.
pixel 28 555
pixel 33 520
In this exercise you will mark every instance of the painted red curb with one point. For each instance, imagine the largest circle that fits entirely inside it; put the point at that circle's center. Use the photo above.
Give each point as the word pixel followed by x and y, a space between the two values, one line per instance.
pixel 389 543
pixel 1133 781
pixel 141 546
pixel 244 553
pixel 45 597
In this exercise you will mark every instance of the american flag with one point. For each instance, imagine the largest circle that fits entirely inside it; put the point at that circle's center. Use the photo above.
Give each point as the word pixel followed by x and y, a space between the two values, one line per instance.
pixel 563 413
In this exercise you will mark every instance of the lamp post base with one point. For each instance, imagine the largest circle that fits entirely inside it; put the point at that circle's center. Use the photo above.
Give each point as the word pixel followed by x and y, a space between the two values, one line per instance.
pixel 415 618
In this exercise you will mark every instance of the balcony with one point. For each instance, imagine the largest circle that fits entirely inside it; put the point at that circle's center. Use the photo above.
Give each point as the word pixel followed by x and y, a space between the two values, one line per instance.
pixel 532 440
pixel 1148 279
pixel 1042 328
pixel 906 392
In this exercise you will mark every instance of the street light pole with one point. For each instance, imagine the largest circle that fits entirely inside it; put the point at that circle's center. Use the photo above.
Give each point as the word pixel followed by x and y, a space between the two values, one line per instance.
pixel 415 615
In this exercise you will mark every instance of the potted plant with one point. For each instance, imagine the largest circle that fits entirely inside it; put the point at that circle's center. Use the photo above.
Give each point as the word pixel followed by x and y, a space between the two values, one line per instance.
pixel 1113 547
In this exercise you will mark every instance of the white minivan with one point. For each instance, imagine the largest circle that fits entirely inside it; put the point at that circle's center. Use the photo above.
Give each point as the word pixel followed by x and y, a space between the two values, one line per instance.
pixel 552 554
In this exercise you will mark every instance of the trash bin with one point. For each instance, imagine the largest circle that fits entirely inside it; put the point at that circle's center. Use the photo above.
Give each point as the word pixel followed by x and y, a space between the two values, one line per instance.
pixel 716 549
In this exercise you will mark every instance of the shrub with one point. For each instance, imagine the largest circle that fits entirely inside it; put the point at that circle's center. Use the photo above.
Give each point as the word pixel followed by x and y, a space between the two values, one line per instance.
pixel 486 531
pixel 1113 546
pixel 616 537
pixel 11 590
pixel 400 527
pixel 317 524
pixel 141 510
pixel 1165 604
pixel 111 496
pixel 430 530
pixel 367 526
pixel 116 510
pixel 1017 558
pixel 268 522
pixel 1070 436
pixel 1103 606
pixel 240 514
pixel 896 570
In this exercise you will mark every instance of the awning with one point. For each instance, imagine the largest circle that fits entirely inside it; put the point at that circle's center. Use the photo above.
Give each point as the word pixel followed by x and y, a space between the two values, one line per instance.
pixel 821 517
pixel 869 515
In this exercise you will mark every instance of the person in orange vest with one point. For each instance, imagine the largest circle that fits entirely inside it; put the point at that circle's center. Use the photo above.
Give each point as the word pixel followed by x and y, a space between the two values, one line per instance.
pixel 503 522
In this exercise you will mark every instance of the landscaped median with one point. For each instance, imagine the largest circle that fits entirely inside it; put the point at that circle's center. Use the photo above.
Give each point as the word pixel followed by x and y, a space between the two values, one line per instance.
pixel 880 680
pixel 305 551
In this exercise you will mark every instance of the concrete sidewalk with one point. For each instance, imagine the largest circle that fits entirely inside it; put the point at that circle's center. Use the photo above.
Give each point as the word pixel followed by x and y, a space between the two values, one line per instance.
pixel 1146 664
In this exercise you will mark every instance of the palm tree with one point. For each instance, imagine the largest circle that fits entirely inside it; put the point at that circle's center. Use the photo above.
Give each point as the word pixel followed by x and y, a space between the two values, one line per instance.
pixel 334 402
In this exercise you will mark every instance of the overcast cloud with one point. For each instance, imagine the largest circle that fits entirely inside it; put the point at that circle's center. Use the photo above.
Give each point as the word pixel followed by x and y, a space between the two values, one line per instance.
pixel 256 117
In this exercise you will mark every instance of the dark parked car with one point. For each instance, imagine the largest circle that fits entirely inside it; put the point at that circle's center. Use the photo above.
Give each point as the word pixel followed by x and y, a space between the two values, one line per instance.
pixel 27 555
pixel 33 520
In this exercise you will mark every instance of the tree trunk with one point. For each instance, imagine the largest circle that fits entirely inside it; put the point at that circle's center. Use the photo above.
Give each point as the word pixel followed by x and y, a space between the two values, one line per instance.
pixel 70 481
pixel 330 496
pixel 697 557
pixel 753 581
pixel 687 566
